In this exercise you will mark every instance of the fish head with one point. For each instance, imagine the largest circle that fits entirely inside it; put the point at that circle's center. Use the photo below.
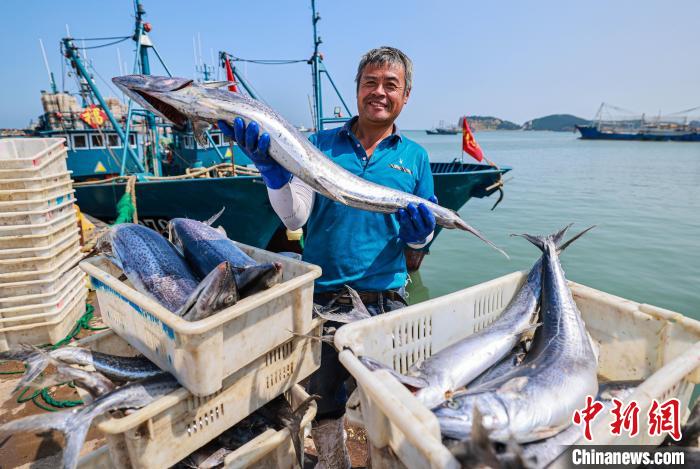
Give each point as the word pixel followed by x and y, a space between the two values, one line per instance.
pixel 215 292
pixel 179 100
pixel 456 415
pixel 171 98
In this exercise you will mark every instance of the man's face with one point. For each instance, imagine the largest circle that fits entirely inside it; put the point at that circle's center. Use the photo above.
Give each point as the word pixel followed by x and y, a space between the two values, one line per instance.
pixel 382 93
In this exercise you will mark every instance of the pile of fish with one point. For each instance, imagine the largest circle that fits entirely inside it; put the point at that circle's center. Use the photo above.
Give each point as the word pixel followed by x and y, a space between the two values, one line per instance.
pixel 141 381
pixel 521 394
pixel 180 100
pixel 124 383
pixel 275 415
pixel 200 274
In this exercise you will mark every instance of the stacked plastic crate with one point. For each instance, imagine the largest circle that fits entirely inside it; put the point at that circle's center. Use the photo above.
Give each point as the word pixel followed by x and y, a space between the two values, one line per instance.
pixel 42 291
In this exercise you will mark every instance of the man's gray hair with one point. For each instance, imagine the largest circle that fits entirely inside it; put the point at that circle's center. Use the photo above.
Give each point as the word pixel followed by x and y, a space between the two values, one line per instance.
pixel 386 55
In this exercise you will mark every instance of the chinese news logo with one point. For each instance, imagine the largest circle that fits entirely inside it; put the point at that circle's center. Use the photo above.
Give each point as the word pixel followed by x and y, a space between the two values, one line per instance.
pixel 661 418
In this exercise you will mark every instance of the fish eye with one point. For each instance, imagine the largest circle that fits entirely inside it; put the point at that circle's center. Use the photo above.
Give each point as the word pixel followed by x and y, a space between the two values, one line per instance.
pixel 229 299
pixel 454 405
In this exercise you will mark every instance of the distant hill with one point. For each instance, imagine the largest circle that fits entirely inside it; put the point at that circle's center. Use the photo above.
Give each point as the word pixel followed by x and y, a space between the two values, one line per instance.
pixel 477 123
pixel 555 122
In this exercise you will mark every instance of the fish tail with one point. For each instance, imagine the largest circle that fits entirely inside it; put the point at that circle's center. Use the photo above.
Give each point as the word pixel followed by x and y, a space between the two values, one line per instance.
pixel 294 425
pixel 561 247
pixel 258 277
pixel 553 240
pixel 411 382
pixel 35 361
pixel 464 226
pixel 73 423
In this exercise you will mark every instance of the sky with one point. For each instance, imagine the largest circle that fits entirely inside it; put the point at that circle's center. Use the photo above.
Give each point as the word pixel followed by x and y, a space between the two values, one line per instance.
pixel 510 59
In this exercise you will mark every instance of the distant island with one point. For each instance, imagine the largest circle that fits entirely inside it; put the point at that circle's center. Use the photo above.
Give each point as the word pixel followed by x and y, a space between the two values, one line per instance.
pixel 555 122
pixel 477 123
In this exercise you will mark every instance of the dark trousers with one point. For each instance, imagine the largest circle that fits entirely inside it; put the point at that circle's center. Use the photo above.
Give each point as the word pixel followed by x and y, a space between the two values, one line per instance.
pixel 329 380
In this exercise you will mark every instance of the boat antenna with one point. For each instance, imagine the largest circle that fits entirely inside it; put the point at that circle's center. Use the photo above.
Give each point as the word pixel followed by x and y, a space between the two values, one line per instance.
pixel 52 80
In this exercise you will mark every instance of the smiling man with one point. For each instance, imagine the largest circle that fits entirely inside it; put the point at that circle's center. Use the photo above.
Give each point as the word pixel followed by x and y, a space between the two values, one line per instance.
pixel 361 249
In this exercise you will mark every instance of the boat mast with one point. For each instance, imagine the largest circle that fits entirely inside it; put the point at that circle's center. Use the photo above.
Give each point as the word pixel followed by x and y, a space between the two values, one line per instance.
pixel 70 50
pixel 140 36
pixel 52 80
pixel 317 68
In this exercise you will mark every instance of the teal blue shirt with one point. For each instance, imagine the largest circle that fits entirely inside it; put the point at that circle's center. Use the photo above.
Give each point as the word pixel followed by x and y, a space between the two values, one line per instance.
pixel 356 247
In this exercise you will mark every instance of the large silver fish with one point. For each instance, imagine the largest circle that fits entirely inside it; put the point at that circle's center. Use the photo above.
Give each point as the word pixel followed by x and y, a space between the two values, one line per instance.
pixel 75 423
pixel 155 268
pixel 180 100
pixel 205 248
pixel 459 364
pixel 537 399
pixel 112 366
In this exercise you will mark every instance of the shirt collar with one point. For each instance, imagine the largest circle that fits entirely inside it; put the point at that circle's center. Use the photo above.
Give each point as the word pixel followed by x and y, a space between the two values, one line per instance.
pixel 347 129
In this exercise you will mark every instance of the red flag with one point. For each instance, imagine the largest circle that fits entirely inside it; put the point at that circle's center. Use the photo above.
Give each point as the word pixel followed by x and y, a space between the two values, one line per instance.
pixel 229 75
pixel 469 142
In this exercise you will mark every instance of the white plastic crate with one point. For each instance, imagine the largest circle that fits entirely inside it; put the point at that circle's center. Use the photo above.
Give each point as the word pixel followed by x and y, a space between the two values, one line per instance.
pixel 175 425
pixel 48 332
pixel 49 236
pixel 66 236
pixel 52 290
pixel 17 285
pixel 201 354
pixel 35 217
pixel 33 268
pixel 19 156
pixel 51 201
pixel 49 191
pixel 636 341
pixel 16 233
pixel 27 313
pixel 34 183
pixel 270 450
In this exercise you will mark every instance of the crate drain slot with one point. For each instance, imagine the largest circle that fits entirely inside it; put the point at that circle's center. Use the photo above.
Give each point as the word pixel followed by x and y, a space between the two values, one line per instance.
pixel 209 417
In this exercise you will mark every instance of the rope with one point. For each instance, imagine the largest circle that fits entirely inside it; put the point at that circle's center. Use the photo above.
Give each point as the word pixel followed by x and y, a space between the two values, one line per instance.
pixel 50 403
pixel 126 207
pixel 103 45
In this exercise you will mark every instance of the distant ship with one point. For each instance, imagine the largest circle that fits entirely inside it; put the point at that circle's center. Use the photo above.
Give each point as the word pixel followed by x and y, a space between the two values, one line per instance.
pixel 677 127
pixel 444 129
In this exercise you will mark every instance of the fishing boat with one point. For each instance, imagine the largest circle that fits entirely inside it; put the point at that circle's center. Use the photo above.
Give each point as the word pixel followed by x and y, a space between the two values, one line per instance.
pixel 676 127
pixel 172 175
pixel 443 129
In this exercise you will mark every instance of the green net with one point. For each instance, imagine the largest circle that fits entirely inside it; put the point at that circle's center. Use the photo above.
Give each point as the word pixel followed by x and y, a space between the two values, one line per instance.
pixel 125 210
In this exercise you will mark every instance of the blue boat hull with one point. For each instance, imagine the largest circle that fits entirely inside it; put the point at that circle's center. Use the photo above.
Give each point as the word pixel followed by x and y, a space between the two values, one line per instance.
pixel 248 216
pixel 591 132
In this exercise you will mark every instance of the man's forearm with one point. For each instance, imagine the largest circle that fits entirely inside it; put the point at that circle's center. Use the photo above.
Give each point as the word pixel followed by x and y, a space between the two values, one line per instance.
pixel 292 203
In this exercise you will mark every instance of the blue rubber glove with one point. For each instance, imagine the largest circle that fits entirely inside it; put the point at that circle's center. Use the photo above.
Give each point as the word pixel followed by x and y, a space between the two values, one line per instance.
pixel 273 174
pixel 416 223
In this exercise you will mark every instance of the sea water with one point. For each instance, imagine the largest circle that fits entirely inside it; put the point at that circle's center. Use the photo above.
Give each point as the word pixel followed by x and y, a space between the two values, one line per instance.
pixel 644 198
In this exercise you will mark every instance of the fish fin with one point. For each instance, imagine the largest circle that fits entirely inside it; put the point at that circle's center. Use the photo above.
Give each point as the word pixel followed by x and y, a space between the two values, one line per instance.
pixel 464 226
pixel 538 241
pixel 215 292
pixel 559 235
pixel 93 382
pixel 411 382
pixel 200 129
pixel 344 318
pixel 73 423
pixel 294 424
pixel 214 217
pixel 357 303
pixel 221 230
pixel 250 280
pixel 332 190
pixel 214 85
pixel 560 248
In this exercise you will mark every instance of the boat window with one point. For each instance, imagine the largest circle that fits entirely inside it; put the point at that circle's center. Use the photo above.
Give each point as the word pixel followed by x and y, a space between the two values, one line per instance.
pixel 217 139
pixel 80 141
pixel 113 140
pixel 96 141
pixel 189 142
pixel 132 140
